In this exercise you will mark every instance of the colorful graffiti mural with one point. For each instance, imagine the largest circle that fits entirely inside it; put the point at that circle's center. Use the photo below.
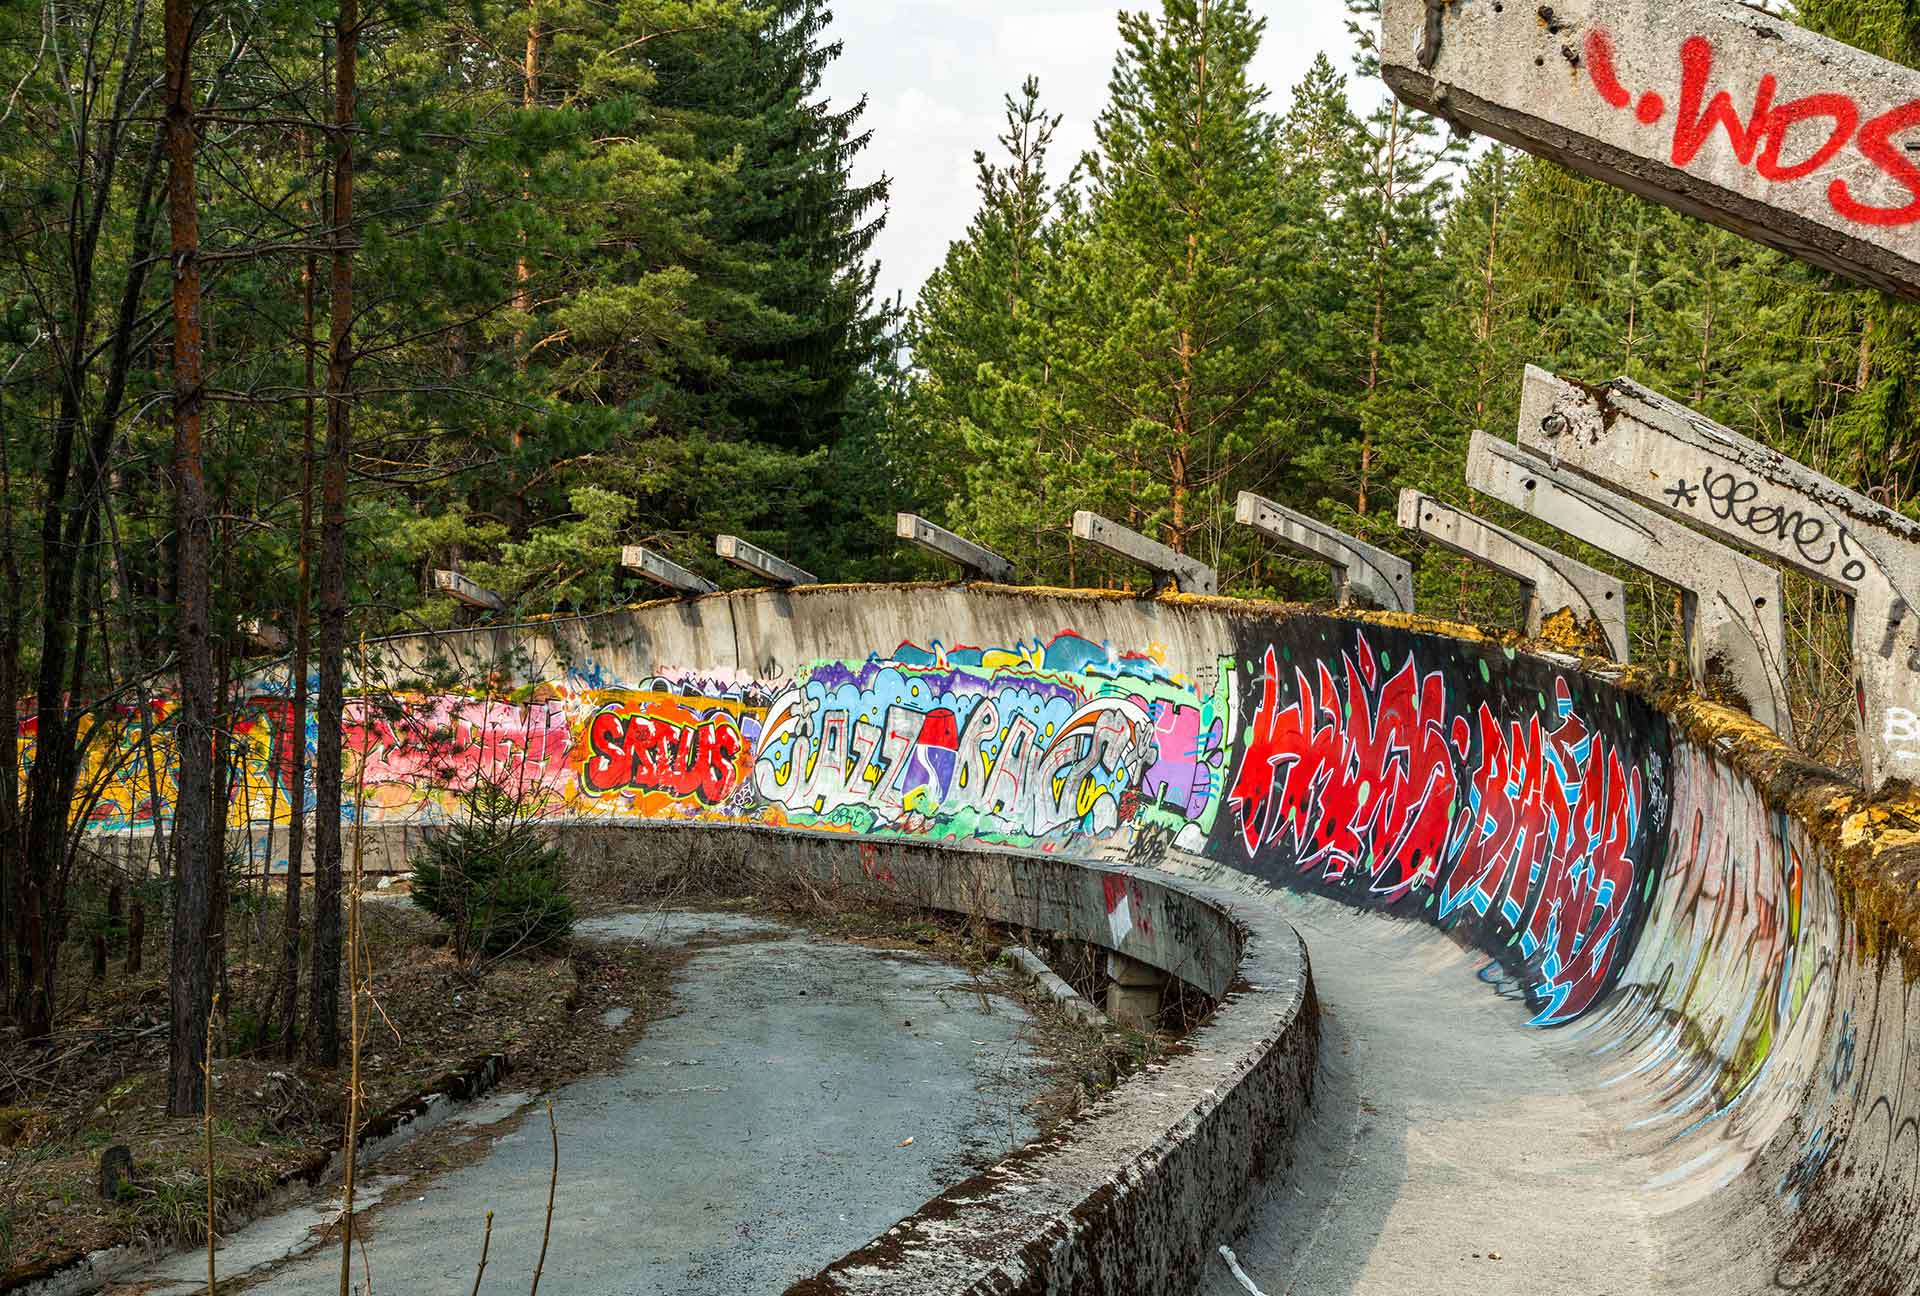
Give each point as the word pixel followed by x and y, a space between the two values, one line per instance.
pixel 127 770
pixel 1386 786
pixel 1029 745
pixel 1318 754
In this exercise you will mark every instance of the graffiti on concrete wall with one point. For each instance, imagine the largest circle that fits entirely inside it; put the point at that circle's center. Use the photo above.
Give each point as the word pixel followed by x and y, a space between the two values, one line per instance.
pixel 1032 744
pixel 1389 782
pixel 1384 768
pixel 128 766
pixel 1782 141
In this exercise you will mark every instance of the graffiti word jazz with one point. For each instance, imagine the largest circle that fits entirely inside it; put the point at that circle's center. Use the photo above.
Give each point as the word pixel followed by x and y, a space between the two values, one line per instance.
pixel 1821 126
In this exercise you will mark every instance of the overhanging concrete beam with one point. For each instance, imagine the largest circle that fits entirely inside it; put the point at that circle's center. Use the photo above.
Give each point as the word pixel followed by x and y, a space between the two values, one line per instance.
pixel 461 590
pixel 1379 579
pixel 977 559
pixel 664 571
pixel 1731 604
pixel 761 563
pixel 1710 107
pixel 1553 581
pixel 1689 467
pixel 1185 574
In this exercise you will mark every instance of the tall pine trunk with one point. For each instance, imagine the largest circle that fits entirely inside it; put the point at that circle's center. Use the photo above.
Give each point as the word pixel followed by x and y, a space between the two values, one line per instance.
pixel 296 727
pixel 323 1027
pixel 193 874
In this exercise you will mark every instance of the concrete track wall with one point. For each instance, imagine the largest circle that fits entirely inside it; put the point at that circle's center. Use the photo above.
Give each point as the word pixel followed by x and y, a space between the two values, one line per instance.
pixel 1726 928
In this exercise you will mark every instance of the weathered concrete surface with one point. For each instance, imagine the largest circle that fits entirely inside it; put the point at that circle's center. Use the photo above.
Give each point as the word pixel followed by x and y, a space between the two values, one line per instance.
pixel 1362 572
pixel 1731 605
pixel 1662 453
pixel 1448 1150
pixel 664 571
pixel 748 1138
pixel 1553 581
pixel 975 558
pixel 1188 575
pixel 1710 107
pixel 751 557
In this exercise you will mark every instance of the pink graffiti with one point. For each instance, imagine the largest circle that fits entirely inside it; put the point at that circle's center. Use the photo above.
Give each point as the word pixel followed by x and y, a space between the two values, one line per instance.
pixel 454 743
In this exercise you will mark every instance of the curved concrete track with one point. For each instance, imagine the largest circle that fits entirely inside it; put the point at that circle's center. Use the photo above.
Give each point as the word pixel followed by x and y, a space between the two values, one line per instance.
pixel 1643 1017
pixel 1446 1149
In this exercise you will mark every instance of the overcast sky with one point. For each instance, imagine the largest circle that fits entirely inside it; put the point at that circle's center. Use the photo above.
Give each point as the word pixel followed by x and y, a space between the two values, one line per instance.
pixel 936 71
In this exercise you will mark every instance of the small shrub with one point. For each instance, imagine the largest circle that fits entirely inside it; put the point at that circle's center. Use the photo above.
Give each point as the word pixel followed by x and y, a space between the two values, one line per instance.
pixel 492 879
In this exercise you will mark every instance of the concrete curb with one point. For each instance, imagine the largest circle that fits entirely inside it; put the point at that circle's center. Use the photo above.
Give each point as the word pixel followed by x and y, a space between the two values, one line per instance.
pixel 80 1272
pixel 1076 1005
pixel 1135 1194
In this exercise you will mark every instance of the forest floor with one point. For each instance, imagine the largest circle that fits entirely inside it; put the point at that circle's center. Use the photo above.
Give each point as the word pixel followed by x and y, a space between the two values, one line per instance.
pixel 100 1082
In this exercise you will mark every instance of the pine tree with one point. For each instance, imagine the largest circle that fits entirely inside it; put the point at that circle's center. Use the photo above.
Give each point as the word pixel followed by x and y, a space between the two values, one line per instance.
pixel 981 411
pixel 1169 339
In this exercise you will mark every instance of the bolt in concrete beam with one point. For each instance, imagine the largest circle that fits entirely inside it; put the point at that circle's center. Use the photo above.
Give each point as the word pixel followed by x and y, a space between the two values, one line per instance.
pixel 761 563
pixel 1709 107
pixel 1731 604
pixel 1379 579
pixel 461 590
pixel 664 571
pixel 1553 581
pixel 978 559
pixel 1185 574
pixel 1691 468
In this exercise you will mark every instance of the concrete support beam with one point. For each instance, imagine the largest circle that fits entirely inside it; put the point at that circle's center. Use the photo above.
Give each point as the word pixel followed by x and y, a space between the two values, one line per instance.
pixel 1185 574
pixel 1362 572
pixel 664 571
pixel 978 559
pixel 1689 467
pixel 1731 604
pixel 1553 581
pixel 1135 991
pixel 461 590
pixel 263 636
pixel 1713 108
pixel 761 563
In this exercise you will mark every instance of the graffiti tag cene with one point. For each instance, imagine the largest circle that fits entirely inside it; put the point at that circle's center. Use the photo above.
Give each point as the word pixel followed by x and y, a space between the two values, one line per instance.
pixel 1370 779
pixel 1760 139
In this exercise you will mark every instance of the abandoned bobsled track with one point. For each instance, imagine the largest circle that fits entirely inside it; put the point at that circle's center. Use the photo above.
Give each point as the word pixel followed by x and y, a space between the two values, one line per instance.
pixel 1616 988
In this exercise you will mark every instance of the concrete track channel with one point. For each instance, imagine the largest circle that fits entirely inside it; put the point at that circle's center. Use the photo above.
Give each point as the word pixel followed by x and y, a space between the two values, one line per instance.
pixel 752 1136
pixel 1448 1147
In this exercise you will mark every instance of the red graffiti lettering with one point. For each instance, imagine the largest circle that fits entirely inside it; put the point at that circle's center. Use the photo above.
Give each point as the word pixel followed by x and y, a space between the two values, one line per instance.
pixel 1876 142
pixel 646 754
pixel 1760 139
pixel 1693 126
pixel 1373 788
pixel 1600 68
pixel 1838 108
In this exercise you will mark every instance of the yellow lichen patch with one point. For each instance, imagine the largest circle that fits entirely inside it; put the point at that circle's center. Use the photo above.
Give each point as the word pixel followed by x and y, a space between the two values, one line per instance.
pixel 1415 623
pixel 1565 630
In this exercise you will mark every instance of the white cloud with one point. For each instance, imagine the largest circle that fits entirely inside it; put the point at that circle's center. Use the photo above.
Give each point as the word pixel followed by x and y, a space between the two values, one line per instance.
pixel 936 72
